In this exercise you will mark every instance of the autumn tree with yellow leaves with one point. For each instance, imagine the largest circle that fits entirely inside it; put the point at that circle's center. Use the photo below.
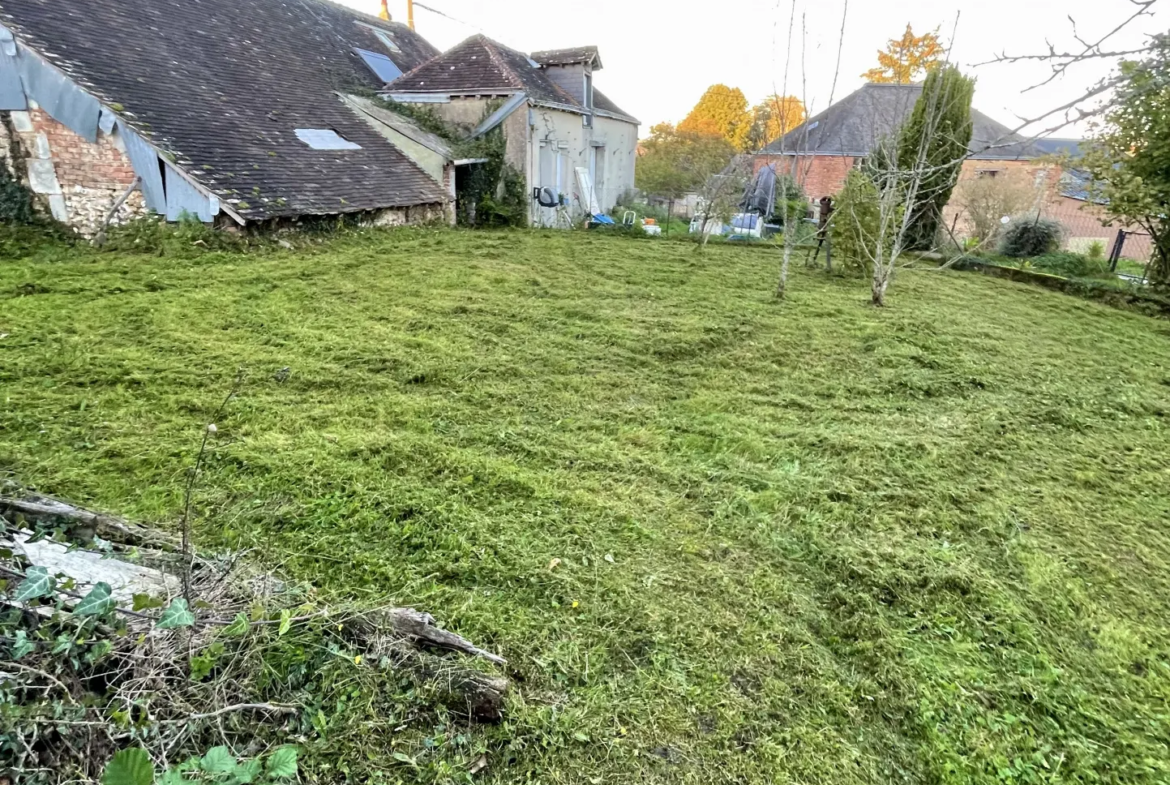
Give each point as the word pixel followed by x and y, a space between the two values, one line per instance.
pixel 907 58
pixel 772 118
pixel 723 112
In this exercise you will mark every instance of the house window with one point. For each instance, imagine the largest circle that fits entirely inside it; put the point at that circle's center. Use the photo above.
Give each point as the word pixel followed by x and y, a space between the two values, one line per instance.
pixel 589 91
pixel 325 139
pixel 987 173
pixel 382 66
pixel 386 38
pixel 387 41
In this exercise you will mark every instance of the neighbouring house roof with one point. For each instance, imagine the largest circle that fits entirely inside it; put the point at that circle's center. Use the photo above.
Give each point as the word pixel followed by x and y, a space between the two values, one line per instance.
pixel 221 87
pixel 1078 184
pixel 587 55
pixel 480 66
pixel 603 104
pixel 1052 146
pixel 853 125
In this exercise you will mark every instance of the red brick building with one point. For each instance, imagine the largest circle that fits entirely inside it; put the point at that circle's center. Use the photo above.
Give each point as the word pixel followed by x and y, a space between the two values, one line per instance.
pixel 821 152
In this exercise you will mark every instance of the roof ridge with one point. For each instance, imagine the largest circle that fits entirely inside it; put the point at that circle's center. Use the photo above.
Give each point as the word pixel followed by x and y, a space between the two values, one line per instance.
pixel 439 56
pixel 492 48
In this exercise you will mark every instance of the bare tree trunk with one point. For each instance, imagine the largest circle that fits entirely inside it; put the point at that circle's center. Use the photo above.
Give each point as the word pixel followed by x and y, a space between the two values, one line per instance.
pixel 881 282
pixel 786 257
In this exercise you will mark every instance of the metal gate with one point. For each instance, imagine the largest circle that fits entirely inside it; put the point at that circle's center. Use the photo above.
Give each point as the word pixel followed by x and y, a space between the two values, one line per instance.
pixel 1132 246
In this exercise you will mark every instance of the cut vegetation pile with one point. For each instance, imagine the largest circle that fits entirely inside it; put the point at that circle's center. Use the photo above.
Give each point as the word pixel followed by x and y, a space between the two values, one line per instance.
pixel 717 538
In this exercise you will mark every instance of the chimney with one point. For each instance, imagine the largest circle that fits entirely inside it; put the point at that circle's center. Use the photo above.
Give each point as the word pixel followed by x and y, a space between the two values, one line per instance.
pixel 385 14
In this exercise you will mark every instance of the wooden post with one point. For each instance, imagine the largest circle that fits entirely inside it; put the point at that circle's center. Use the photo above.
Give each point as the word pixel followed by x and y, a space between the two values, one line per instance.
pixel 1115 253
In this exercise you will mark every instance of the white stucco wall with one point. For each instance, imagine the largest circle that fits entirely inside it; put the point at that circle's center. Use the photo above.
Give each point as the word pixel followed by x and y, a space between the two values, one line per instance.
pixel 561 143
pixel 563 136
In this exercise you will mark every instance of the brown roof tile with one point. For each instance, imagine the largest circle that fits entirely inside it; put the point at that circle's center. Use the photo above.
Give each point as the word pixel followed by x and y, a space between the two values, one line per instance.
pixel 224 84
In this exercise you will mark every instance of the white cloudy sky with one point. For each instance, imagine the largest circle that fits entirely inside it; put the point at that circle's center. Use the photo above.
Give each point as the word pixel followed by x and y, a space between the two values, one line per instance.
pixel 660 56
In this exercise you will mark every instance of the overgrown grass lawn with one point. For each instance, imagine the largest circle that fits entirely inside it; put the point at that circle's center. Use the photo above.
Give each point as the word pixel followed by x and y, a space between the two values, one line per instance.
pixel 719 538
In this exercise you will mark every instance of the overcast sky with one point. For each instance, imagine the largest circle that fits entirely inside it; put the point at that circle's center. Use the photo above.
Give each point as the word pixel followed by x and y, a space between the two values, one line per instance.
pixel 659 57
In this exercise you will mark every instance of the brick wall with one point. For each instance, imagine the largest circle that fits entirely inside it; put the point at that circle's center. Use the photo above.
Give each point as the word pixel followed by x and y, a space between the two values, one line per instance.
pixel 76 181
pixel 824 175
pixel 818 175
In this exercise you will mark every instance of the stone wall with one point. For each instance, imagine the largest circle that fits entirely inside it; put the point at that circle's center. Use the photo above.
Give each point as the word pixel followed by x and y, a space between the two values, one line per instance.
pixel 75 181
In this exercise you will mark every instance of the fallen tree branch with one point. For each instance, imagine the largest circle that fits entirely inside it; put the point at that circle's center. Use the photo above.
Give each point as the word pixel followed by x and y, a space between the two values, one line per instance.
pixel 272 708
pixel 420 627
pixel 47 510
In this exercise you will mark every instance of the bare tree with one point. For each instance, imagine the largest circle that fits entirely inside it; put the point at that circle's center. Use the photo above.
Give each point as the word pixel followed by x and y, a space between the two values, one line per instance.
pixel 981 203
pixel 720 197
pixel 905 177
pixel 1095 99
pixel 797 171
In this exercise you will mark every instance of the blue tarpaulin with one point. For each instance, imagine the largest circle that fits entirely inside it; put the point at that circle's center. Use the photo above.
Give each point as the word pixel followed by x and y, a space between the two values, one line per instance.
pixel 64 101
pixel 745 221
pixel 185 199
pixel 144 159
pixel 11 90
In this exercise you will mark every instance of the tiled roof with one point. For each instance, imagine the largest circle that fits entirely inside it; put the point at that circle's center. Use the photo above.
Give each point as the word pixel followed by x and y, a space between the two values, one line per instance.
pixel 481 66
pixel 578 54
pixel 1054 146
pixel 602 101
pixel 853 125
pixel 1078 184
pixel 223 85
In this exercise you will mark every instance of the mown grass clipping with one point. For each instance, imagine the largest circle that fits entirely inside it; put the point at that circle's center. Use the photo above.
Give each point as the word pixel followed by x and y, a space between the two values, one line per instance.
pixel 718 538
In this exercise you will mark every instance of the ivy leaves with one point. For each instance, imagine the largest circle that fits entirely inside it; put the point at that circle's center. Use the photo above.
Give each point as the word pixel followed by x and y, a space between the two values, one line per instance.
pixel 36 584
pixel 22 645
pixel 218 760
pixel 176 615
pixel 98 602
pixel 238 628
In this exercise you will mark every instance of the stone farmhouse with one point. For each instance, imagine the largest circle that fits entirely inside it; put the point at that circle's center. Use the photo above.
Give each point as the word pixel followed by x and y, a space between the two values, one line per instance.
pixel 243 113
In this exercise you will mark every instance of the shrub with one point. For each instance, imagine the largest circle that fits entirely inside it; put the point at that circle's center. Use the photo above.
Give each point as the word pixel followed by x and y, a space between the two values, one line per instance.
pixel 16 200
pixel 984 201
pixel 1031 236
pixel 1070 265
pixel 857 223
pixel 1096 251
pixel 795 208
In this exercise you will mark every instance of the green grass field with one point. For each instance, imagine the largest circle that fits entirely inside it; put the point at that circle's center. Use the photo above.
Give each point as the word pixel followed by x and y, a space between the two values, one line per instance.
pixel 810 542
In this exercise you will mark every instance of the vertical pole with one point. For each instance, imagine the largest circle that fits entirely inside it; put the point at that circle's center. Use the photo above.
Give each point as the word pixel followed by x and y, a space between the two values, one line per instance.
pixel 1115 253
pixel 410 14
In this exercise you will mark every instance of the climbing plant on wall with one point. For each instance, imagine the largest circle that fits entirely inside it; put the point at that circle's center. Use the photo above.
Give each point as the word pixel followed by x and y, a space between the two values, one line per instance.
pixel 16 200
